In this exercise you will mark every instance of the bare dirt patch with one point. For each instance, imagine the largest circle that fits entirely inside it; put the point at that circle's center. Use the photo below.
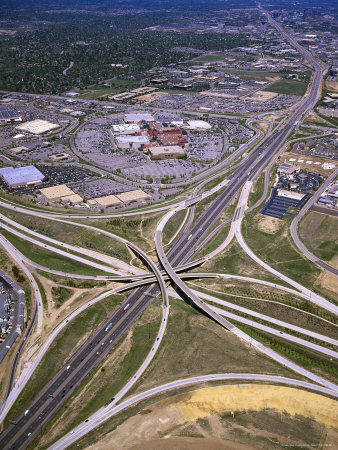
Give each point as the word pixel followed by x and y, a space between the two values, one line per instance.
pixel 332 85
pixel 244 416
pixel 268 224
pixel 262 96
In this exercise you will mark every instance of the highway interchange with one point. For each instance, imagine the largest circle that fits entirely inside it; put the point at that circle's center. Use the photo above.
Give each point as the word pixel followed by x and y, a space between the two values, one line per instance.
pixel 182 252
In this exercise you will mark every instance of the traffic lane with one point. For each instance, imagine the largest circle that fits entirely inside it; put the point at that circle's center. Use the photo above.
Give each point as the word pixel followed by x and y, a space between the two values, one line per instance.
pixel 89 349
pixel 283 136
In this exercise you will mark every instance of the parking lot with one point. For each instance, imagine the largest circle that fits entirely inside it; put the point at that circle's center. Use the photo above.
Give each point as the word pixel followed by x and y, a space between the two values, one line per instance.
pixel 99 188
pixel 278 206
pixel 12 301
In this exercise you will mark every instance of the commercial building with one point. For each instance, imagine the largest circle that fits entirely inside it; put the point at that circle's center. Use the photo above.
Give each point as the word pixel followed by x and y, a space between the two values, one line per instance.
pixel 138 196
pixel 21 176
pixel 166 152
pixel 135 118
pixel 131 142
pixel 126 128
pixel 198 125
pixel 105 202
pixel 73 199
pixel 290 194
pixel 287 169
pixel 9 115
pixel 56 192
pixel 38 126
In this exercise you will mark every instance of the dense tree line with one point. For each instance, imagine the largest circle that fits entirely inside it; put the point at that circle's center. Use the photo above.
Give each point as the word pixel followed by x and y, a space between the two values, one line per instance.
pixel 33 61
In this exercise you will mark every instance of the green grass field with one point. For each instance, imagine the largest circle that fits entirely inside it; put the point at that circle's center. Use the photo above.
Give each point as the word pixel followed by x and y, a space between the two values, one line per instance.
pixel 319 233
pixel 289 87
pixel 117 86
pixel 49 259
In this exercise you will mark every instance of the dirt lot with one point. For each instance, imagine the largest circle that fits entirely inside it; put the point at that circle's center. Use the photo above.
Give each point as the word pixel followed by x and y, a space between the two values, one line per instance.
pixel 332 85
pixel 310 167
pixel 244 416
pixel 268 224
pixel 262 96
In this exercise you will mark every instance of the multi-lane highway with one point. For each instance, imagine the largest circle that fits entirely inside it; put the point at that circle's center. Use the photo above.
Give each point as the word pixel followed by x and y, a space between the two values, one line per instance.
pixel 59 389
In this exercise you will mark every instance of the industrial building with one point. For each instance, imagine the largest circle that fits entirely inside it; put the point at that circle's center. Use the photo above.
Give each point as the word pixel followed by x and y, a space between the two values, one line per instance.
pixel 38 126
pixel 134 196
pixel 21 176
pixel 131 142
pixel 126 128
pixel 166 152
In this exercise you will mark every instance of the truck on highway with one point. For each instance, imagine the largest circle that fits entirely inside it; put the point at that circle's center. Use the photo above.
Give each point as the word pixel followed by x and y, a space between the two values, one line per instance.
pixel 189 237
pixel 126 307
pixel 108 327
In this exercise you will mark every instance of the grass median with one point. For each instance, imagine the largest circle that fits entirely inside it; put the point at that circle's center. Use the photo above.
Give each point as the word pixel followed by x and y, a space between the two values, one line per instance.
pixel 105 380
pixel 69 340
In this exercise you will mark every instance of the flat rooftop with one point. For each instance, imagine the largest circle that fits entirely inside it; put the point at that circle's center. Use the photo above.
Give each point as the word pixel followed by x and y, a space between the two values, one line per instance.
pixel 21 175
pixel 139 117
pixel 56 192
pixel 134 196
pixel 166 150
pixel 38 126
pixel 106 201
pixel 128 128
pixel 132 140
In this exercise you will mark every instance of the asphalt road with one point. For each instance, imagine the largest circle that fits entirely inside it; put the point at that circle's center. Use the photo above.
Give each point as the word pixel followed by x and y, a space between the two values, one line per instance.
pixel 89 356
pixel 294 227
pixel 106 413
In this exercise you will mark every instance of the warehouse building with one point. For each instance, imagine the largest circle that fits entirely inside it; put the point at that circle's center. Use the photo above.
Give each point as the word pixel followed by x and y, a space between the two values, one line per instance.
pixel 131 142
pixel 73 199
pixel 166 152
pixel 21 176
pixel 138 196
pixel 126 128
pixel 56 192
pixel 38 126
pixel 105 202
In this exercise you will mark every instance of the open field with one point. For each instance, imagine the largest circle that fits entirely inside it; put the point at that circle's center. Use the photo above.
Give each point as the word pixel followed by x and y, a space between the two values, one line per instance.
pixel 272 302
pixel 319 233
pixel 241 416
pixel 256 75
pixel 234 260
pixel 289 87
pixel 49 259
pixel 117 86
pixel 203 347
pixel 71 234
pixel 62 349
pixel 140 229
pixel 173 225
pixel 110 375
pixel 270 239
pixel 304 357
